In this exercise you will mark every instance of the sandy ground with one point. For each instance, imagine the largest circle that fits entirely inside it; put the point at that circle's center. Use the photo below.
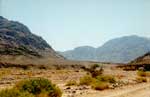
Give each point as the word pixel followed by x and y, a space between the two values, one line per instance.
pixel 61 77
pixel 139 90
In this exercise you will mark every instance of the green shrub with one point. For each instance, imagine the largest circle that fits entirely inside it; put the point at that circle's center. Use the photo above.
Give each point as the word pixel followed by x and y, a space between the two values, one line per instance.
pixel 98 85
pixel 106 78
pixel 39 85
pixel 14 93
pixel 86 80
pixel 71 83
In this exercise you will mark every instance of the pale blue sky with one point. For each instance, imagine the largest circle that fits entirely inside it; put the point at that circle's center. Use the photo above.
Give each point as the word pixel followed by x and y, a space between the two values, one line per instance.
pixel 66 24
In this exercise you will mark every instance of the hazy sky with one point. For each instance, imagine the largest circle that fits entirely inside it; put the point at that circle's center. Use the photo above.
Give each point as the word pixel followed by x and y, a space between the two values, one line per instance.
pixel 66 24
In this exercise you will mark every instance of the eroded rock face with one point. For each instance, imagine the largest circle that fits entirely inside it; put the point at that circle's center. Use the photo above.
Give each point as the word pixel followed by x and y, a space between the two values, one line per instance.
pixel 17 39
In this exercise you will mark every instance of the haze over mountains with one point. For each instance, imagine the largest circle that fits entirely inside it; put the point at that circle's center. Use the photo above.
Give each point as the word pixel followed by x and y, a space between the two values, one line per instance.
pixel 17 41
pixel 119 50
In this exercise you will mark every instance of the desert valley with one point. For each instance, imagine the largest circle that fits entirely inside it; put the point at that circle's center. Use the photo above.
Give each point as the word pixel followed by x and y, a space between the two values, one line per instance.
pixel 29 66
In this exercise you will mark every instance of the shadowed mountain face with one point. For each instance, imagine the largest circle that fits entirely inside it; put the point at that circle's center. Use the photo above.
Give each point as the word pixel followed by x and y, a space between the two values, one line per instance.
pixel 120 50
pixel 142 60
pixel 16 39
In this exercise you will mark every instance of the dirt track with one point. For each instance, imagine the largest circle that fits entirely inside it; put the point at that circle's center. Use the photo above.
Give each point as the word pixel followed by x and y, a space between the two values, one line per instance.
pixel 140 90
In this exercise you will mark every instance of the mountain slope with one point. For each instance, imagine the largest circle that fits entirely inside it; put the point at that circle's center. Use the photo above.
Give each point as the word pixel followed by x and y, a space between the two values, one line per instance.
pixel 80 53
pixel 120 50
pixel 17 40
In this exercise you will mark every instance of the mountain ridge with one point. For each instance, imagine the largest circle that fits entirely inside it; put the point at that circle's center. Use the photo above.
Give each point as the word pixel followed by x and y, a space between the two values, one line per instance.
pixel 118 50
pixel 16 40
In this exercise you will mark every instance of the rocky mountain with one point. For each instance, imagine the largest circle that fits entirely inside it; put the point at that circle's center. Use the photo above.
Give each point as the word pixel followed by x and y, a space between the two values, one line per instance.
pixel 142 60
pixel 119 50
pixel 17 40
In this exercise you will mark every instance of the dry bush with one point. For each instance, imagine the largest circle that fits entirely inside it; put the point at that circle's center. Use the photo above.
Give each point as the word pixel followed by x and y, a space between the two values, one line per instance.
pixel 14 93
pixel 99 85
pixel 4 72
pixel 148 74
pixel 106 78
pixel 42 95
pixel 30 74
pixel 86 80
pixel 96 73
pixel 43 67
pixel 95 70
pixel 38 87
pixel 143 73
pixel 141 79
pixel 71 83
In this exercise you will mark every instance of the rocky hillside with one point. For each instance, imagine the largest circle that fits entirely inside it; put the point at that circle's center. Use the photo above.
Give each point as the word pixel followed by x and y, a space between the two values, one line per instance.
pixel 142 60
pixel 119 50
pixel 17 40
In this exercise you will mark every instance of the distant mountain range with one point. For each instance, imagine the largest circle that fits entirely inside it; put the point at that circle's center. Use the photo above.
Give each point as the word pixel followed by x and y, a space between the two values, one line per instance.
pixel 17 42
pixel 119 50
